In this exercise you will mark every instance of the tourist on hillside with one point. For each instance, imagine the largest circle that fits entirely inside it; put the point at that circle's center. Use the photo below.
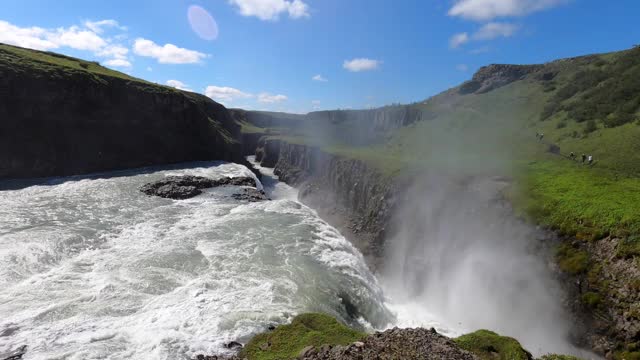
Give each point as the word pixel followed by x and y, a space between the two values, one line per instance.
pixel 584 158
pixel 572 156
pixel 590 159
pixel 541 136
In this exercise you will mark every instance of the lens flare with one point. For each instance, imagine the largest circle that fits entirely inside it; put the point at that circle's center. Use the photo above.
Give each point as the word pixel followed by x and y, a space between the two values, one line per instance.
pixel 202 23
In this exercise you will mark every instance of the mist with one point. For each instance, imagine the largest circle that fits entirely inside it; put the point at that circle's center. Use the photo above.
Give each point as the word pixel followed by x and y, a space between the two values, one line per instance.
pixel 460 257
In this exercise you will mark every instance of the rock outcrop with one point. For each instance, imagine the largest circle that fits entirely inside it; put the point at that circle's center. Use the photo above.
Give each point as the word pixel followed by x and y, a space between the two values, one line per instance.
pixel 63 116
pixel 267 151
pixel 605 293
pixel 408 344
pixel 188 186
pixel 496 75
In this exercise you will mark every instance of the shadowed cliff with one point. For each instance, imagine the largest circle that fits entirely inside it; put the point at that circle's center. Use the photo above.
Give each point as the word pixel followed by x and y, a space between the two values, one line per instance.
pixel 64 116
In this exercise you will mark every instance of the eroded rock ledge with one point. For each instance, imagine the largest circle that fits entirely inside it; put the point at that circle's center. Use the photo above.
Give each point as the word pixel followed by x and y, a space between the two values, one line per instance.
pixel 188 186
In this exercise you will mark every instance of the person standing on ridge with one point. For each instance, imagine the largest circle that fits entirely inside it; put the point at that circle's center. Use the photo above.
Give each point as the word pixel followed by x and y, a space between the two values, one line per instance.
pixel 584 158
pixel 590 159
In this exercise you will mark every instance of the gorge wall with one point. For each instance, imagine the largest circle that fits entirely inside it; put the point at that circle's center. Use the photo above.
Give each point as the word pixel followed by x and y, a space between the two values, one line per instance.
pixel 348 193
pixel 59 120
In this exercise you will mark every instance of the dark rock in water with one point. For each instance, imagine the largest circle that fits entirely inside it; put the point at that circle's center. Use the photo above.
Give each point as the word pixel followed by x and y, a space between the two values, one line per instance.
pixel 216 357
pixel 271 327
pixel 233 345
pixel 251 195
pixel 15 355
pixel 349 306
pixel 188 186
pixel 173 191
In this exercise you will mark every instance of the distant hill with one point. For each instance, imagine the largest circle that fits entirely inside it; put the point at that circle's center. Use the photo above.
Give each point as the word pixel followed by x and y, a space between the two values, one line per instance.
pixel 63 116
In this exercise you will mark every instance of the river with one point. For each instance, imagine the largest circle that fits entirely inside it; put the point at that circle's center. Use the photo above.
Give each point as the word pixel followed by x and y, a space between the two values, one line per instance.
pixel 92 268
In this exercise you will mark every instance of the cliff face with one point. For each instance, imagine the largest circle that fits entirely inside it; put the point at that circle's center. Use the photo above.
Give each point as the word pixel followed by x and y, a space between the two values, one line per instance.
pixel 360 127
pixel 347 193
pixel 58 120
pixel 496 75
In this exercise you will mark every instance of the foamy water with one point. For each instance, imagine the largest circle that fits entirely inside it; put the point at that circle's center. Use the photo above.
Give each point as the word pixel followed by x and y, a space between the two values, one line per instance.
pixel 92 268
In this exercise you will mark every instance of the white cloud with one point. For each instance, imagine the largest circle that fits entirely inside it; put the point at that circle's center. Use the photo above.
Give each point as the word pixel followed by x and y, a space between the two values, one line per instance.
pixel 361 64
pixel 319 78
pixel 149 68
pixel 462 67
pixel 298 9
pixel 74 37
pixel 31 37
pixel 117 63
pixel 271 9
pixel 114 51
pixel 168 53
pixel 271 99
pixel 485 10
pixel 486 32
pixel 225 94
pixel 493 30
pixel 97 26
pixel 458 39
pixel 178 85
pixel 77 38
pixel 315 104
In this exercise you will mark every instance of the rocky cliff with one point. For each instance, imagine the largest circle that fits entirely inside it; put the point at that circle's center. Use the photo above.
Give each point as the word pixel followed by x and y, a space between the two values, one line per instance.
pixel 493 76
pixel 348 193
pixel 63 116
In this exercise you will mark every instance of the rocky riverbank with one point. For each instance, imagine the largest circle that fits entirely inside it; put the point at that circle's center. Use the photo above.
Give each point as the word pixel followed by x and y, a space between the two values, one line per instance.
pixel 321 337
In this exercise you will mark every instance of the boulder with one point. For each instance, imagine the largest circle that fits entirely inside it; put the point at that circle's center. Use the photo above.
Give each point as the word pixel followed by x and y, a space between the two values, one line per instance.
pixel 233 345
pixel 250 195
pixel 188 186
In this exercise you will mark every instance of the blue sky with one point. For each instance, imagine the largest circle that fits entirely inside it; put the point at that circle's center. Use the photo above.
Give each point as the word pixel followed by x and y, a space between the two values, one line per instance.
pixel 264 54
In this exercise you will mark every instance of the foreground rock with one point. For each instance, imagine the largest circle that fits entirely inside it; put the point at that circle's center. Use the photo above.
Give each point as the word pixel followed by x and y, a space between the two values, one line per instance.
pixel 188 186
pixel 250 195
pixel 418 344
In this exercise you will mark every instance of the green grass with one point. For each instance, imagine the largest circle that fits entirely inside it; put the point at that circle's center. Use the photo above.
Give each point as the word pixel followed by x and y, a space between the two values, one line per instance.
pixel 571 260
pixel 286 341
pixel 606 91
pixel 57 65
pixel 488 345
pixel 248 128
pixel 586 202
pixel 558 357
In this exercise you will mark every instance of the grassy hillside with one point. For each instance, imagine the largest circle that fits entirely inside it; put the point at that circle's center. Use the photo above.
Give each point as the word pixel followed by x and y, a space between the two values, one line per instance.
pixel 587 105
pixel 494 133
pixel 63 66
